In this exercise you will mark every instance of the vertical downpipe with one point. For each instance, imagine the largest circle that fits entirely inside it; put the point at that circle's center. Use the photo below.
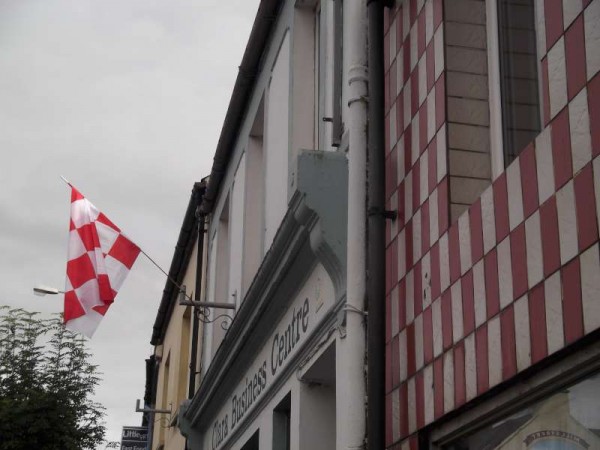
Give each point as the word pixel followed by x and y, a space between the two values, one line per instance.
pixel 351 383
pixel 376 234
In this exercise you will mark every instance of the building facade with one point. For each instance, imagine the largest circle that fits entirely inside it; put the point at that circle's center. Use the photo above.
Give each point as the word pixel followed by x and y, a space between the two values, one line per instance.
pixel 173 370
pixel 492 266
pixel 287 369
pixel 480 295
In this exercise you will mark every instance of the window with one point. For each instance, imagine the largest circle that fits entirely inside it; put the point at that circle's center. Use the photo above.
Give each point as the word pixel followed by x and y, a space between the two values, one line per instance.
pixel 328 38
pixel 236 234
pixel 161 419
pixel 469 106
pixel 184 356
pixel 165 383
pixel 281 424
pixel 222 242
pixel 218 281
pixel 319 55
pixel 316 83
pixel 518 76
pixel 221 273
pixel 338 70
pixel 276 143
pixel 568 419
pixel 252 443
pixel 254 214
pixel 492 93
pixel 317 402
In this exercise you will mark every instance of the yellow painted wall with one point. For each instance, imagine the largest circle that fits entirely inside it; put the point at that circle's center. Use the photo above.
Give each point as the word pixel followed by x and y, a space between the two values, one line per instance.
pixel 173 374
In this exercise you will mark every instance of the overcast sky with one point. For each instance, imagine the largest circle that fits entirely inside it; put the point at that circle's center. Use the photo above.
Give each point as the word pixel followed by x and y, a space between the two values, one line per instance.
pixel 125 99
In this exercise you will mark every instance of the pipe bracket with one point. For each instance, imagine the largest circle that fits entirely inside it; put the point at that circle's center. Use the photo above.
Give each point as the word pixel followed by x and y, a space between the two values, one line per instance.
pixel 385 213
pixel 363 99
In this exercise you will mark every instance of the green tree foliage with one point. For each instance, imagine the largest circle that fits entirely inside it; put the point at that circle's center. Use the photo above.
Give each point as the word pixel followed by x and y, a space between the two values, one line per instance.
pixel 46 386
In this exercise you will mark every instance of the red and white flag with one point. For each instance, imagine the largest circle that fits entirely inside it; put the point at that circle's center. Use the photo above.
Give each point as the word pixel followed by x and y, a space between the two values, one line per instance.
pixel 99 259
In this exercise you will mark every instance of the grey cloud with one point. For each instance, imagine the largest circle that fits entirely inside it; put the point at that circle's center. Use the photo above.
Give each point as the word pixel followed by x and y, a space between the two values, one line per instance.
pixel 126 98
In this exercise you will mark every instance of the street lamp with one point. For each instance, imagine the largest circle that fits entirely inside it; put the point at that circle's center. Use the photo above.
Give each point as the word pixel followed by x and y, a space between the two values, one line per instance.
pixel 46 290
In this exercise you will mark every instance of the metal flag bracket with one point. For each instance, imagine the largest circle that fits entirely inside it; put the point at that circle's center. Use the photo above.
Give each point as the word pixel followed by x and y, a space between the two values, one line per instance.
pixel 203 311
pixel 150 410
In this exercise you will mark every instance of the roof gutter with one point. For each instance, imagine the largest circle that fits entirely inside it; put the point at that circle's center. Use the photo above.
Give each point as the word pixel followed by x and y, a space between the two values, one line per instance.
pixel 248 71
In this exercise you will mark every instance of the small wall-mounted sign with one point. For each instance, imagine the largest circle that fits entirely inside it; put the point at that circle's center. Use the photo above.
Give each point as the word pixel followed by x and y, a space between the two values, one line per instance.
pixel 134 438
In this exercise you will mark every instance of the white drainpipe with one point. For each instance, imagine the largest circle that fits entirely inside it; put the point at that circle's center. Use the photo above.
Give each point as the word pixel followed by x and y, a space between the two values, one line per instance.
pixel 351 382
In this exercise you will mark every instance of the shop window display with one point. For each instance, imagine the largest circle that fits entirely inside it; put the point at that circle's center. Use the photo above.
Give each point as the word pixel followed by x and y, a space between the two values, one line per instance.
pixel 567 420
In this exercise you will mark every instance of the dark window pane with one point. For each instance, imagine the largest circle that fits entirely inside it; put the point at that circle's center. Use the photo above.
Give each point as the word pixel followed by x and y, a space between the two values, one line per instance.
pixel 518 75
pixel 252 443
pixel 281 424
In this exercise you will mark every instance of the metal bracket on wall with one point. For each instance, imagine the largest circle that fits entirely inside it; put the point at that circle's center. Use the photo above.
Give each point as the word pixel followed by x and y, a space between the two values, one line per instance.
pixel 350 308
pixel 203 311
pixel 386 213
pixel 150 410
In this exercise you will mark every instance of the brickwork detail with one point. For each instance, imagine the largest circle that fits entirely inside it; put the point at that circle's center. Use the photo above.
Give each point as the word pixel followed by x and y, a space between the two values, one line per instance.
pixel 517 276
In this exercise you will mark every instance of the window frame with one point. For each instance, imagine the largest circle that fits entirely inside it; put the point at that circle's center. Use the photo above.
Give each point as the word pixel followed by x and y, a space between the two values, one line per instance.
pixel 254 194
pixel 498 156
pixel 327 80
pixel 337 125
pixel 281 419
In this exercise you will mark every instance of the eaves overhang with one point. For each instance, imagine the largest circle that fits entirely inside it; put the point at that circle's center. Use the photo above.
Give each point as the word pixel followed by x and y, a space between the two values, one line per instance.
pixel 313 230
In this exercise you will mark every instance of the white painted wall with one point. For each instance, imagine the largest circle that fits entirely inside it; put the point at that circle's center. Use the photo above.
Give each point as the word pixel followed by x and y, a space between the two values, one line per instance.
pixel 317 293
pixel 210 297
pixel 222 271
pixel 254 211
pixel 317 417
pixel 277 143
pixel 264 422
pixel 236 234
pixel 312 418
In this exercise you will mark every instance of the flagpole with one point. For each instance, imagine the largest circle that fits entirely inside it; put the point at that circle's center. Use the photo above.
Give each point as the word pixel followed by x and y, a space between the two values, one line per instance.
pixel 166 274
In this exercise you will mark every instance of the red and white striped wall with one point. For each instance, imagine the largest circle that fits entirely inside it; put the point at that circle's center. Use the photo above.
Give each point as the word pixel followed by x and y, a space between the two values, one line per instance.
pixel 517 276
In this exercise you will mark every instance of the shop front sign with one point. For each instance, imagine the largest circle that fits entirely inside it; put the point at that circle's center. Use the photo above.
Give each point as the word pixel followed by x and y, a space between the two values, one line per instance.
pixel 288 336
